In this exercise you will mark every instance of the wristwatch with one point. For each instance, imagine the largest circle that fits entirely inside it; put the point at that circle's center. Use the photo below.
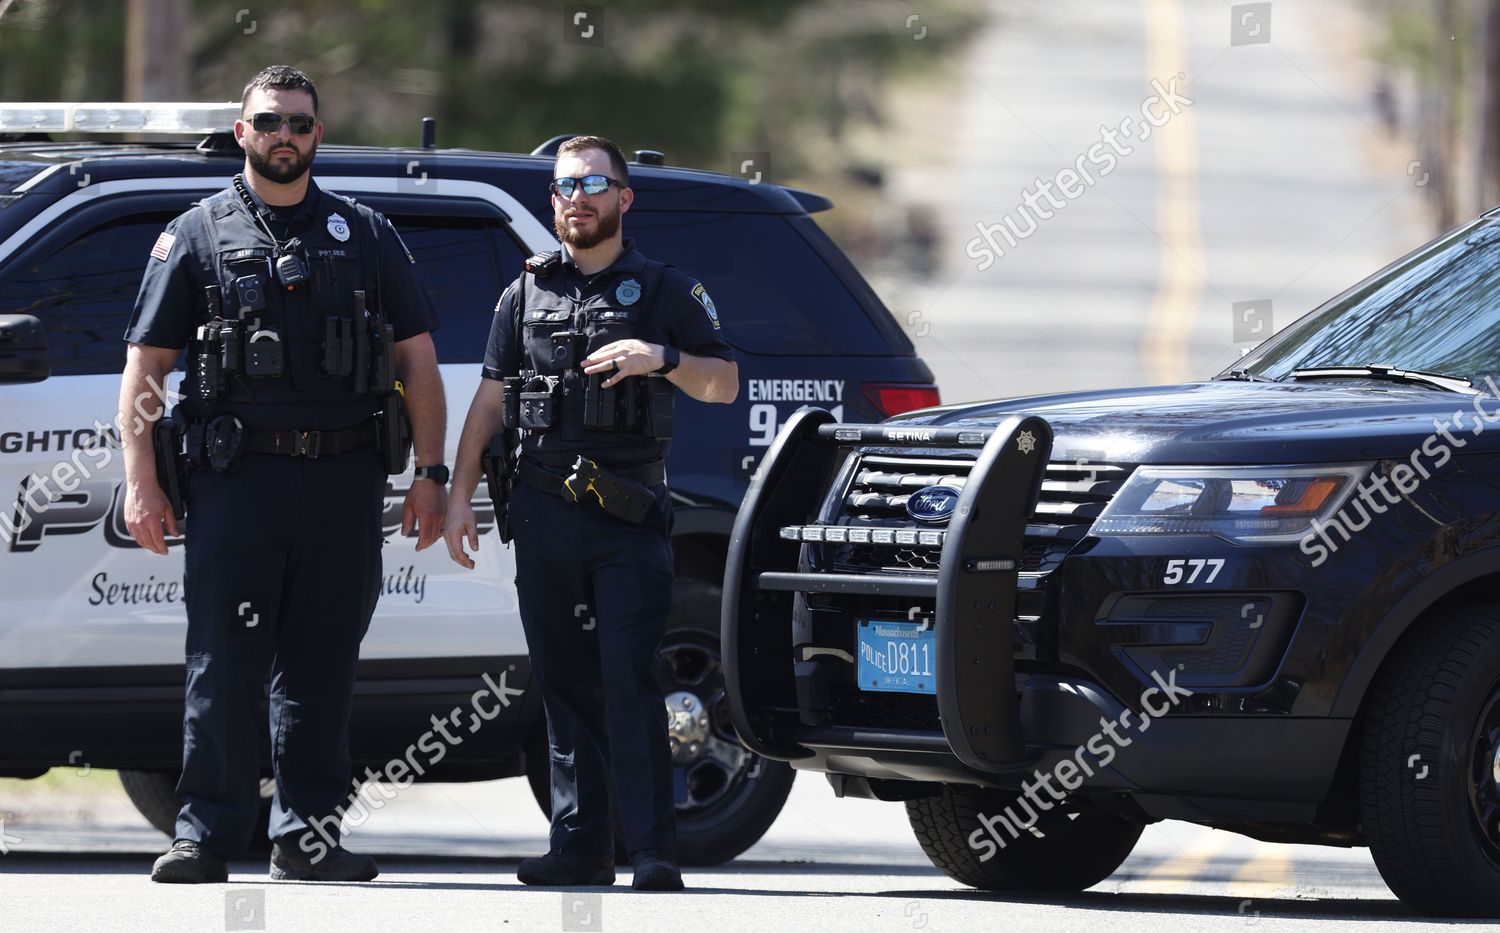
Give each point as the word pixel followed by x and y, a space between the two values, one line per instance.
pixel 670 357
pixel 438 473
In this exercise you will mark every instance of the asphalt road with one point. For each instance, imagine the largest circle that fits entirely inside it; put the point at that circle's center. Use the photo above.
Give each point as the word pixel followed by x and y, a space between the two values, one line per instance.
pixel 448 855
pixel 1276 184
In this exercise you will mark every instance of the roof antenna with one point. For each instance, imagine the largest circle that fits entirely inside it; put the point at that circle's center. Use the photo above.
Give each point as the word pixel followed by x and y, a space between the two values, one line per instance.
pixel 429 133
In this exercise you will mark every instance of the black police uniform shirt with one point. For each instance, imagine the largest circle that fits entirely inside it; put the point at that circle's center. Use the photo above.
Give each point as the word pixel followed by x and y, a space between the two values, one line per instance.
pixel 680 314
pixel 336 235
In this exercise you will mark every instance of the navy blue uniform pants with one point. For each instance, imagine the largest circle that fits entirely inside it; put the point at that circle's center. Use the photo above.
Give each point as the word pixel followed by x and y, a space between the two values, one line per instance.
pixel 595 592
pixel 283 571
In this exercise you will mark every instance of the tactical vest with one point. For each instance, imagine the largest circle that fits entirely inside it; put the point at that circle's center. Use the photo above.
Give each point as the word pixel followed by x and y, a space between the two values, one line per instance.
pixel 290 354
pixel 627 423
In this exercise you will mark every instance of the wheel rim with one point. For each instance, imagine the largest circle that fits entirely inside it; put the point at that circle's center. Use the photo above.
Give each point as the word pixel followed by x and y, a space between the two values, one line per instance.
pixel 1484 775
pixel 711 766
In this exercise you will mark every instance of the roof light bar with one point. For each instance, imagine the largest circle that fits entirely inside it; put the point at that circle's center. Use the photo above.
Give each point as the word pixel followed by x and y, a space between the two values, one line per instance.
pixel 184 118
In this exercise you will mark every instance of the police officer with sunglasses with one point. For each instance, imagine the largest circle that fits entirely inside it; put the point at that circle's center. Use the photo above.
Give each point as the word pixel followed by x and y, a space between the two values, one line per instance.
pixel 310 374
pixel 587 350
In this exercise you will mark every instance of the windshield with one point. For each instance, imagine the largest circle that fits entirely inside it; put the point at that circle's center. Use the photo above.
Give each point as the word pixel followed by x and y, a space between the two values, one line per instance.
pixel 1437 310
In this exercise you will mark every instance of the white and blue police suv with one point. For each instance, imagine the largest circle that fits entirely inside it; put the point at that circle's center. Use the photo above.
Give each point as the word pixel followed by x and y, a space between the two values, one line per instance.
pixel 91 636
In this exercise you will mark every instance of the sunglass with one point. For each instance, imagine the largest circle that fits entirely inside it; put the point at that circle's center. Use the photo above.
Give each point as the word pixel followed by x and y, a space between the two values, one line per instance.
pixel 592 184
pixel 267 122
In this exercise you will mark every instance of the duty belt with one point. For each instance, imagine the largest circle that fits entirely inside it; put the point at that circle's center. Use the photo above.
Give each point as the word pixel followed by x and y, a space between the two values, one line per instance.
pixel 309 444
pixel 623 493
pixel 537 477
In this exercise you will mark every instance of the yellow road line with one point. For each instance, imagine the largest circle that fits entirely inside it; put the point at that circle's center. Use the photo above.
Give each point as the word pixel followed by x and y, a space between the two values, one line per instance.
pixel 1179 286
pixel 1176 874
pixel 1268 874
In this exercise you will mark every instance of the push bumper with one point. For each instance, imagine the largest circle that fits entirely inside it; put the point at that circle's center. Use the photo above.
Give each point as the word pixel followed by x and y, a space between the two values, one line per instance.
pixel 974 593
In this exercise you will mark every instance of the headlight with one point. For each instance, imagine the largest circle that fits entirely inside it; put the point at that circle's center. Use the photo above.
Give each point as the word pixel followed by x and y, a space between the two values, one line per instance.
pixel 1242 504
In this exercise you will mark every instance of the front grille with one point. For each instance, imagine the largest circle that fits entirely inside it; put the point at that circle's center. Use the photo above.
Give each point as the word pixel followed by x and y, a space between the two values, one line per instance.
pixel 1072 496
pixel 888 557
pixel 915 711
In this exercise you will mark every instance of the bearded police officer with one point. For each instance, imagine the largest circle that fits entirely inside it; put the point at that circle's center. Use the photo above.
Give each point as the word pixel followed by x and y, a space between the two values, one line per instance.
pixel 585 351
pixel 303 321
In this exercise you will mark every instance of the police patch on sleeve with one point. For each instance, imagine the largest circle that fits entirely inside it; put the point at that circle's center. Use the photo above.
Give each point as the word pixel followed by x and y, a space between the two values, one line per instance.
pixel 701 295
pixel 163 247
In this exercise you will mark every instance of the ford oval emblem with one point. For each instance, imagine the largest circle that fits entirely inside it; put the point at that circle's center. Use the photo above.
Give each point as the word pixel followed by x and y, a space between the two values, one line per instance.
pixel 933 504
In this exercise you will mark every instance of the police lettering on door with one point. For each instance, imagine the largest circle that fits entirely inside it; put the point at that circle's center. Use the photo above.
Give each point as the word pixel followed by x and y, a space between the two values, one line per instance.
pixel 766 416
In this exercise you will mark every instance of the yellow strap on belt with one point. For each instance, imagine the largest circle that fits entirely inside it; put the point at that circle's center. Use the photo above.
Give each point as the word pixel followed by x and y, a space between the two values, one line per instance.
pixel 568 485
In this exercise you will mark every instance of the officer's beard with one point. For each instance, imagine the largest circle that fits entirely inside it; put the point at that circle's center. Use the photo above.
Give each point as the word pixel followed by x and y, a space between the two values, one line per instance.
pixel 280 172
pixel 606 225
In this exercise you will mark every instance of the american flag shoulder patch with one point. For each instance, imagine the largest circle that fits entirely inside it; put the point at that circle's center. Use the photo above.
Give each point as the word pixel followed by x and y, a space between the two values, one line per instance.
pixel 163 246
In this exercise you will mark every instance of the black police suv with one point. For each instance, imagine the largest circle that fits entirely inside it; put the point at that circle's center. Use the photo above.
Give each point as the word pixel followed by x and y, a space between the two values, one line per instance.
pixel 91 665
pixel 1267 603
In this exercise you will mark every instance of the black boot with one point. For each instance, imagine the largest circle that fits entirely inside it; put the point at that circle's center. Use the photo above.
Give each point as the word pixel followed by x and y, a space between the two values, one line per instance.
pixel 338 864
pixel 560 870
pixel 189 863
pixel 655 871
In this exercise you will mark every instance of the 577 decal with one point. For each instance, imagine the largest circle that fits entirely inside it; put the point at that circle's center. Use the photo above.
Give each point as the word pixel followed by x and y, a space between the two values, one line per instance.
pixel 1189 570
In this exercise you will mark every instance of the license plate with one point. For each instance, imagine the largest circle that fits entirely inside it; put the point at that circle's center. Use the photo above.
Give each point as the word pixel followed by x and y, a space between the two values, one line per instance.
pixel 897 657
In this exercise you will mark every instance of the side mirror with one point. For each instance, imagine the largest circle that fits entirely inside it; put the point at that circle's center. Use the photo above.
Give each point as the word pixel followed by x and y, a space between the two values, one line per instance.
pixel 23 349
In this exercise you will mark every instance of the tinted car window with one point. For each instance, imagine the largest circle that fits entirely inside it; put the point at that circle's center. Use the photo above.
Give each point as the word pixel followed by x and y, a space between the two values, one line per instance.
pixel 12 175
pixel 1434 311
pixel 83 292
pixel 464 263
pixel 775 296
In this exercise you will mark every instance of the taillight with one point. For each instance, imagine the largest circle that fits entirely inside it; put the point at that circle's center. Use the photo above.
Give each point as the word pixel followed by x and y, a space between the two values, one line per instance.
pixel 898 399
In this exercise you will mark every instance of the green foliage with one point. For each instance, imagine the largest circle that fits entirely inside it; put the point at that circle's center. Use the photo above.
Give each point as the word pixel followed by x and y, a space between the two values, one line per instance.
pixel 49 51
pixel 698 82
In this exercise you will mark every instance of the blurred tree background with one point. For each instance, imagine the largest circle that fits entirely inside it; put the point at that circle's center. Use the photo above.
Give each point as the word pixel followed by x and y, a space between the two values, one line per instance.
pixel 1442 88
pixel 796 79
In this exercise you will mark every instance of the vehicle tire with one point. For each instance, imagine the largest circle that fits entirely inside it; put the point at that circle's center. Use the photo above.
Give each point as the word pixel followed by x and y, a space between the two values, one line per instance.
pixel 1076 849
pixel 1429 765
pixel 154 794
pixel 732 796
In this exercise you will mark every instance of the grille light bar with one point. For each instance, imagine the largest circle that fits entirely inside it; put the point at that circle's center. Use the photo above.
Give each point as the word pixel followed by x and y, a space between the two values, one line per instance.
pixel 840 534
pixel 176 118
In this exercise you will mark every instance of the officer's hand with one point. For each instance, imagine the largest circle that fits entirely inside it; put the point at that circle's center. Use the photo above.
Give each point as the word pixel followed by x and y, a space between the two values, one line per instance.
pixel 628 357
pixel 461 526
pixel 426 503
pixel 146 510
